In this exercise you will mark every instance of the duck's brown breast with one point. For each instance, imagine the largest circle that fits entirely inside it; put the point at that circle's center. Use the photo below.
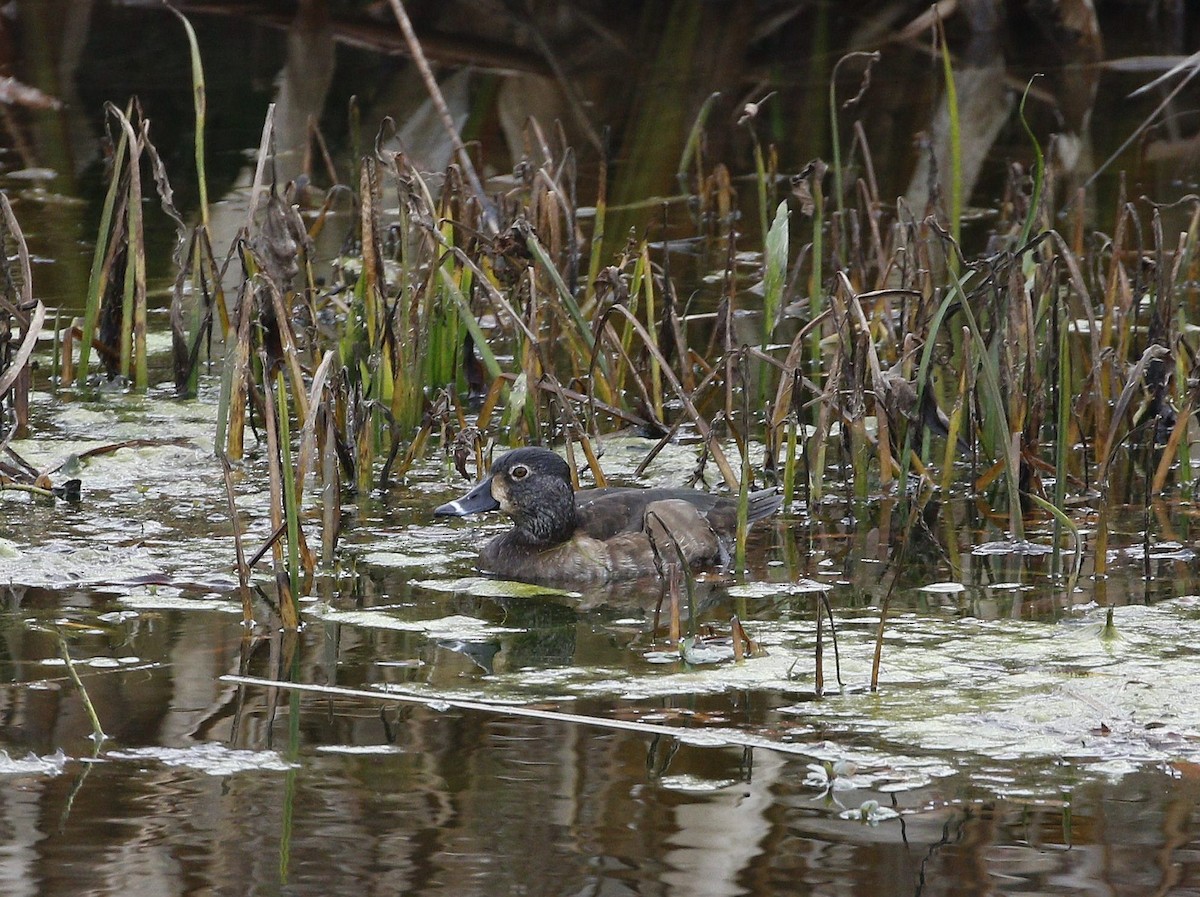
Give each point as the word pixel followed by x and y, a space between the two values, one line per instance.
pixel 580 559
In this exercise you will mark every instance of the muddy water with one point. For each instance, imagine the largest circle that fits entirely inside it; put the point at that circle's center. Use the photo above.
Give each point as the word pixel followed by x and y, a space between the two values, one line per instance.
pixel 1017 744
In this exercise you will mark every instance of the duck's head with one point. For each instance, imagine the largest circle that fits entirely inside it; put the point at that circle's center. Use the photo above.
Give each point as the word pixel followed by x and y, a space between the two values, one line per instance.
pixel 531 485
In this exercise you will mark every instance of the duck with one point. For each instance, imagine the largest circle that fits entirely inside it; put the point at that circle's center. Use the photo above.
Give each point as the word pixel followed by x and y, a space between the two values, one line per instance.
pixel 601 535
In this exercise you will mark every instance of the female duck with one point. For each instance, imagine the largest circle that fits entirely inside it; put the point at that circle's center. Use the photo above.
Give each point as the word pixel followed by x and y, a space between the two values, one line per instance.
pixel 599 535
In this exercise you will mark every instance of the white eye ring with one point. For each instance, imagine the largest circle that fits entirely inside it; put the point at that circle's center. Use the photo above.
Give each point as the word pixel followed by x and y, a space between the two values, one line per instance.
pixel 519 472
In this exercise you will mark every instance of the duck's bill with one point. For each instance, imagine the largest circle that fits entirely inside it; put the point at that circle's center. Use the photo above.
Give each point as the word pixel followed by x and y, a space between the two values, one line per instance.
pixel 476 501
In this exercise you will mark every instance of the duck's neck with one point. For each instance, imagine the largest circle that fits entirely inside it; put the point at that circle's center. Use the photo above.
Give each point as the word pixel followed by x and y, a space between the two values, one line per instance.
pixel 550 522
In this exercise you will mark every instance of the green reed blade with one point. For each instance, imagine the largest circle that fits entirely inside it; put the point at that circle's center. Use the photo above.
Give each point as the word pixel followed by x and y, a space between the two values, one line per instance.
pixel 839 190
pixel 923 382
pixel 955 420
pixel 816 295
pixel 656 394
pixel 1062 520
pixel 998 412
pixel 133 308
pixel 56 363
pixel 98 735
pixel 472 324
pixel 564 294
pixel 290 504
pixel 1062 447
pixel 775 260
pixel 743 507
pixel 692 146
pixel 789 465
pixel 98 281
pixel 199 103
pixel 1039 170
pixel 288 606
pixel 956 181
pixel 775 273
pixel 595 253
pixel 760 180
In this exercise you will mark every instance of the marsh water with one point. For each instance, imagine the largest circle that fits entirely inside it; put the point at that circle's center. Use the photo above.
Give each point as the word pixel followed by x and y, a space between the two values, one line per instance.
pixel 460 735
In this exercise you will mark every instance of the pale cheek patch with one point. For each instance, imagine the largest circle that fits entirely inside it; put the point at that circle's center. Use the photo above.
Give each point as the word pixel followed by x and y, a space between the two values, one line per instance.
pixel 500 493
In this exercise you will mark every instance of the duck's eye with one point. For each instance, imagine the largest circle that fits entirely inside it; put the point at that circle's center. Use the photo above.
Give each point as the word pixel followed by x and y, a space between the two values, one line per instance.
pixel 519 472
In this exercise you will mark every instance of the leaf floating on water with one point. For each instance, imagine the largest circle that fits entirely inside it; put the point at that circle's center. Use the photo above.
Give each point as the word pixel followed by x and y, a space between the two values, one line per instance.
pixel 483 587
pixel 775 589
pixel 150 601
pixel 919 774
pixel 701 651
pixel 358 750
pixel 98 663
pixel 1163 551
pixel 117 616
pixel 661 657
pixel 455 626
pixel 32 764
pixel 870 813
pixel 397 559
pixel 213 759
pixel 501 588
pixel 27 174
pixel 1011 546
pixel 624 454
pixel 702 738
pixel 944 588
pixel 832 775
pixel 694 783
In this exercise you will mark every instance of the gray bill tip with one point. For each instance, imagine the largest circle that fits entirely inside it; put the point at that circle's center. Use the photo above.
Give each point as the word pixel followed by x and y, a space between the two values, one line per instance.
pixel 451 509
pixel 476 501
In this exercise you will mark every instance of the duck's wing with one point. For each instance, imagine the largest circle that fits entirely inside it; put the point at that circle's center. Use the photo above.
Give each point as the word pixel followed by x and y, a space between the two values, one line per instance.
pixel 723 513
pixel 604 513
pixel 672 529
pixel 677 529
pixel 764 503
pixel 613 510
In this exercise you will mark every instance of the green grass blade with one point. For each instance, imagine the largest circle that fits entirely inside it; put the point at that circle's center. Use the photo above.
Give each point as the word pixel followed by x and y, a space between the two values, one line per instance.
pixel 1064 423
pixel 472 325
pixel 1061 518
pixel 290 504
pixel 991 380
pixel 97 281
pixel 956 183
pixel 560 287
pixel 199 102
pixel 1039 171
pixel 692 146
pixel 775 275
pixel 760 178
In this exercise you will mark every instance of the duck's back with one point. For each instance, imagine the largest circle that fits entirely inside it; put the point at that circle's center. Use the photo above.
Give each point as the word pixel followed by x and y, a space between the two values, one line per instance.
pixel 673 528
pixel 604 513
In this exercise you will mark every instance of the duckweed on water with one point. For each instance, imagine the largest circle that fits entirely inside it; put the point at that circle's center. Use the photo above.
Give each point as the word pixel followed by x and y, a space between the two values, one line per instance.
pixel 210 759
pixel 960 687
